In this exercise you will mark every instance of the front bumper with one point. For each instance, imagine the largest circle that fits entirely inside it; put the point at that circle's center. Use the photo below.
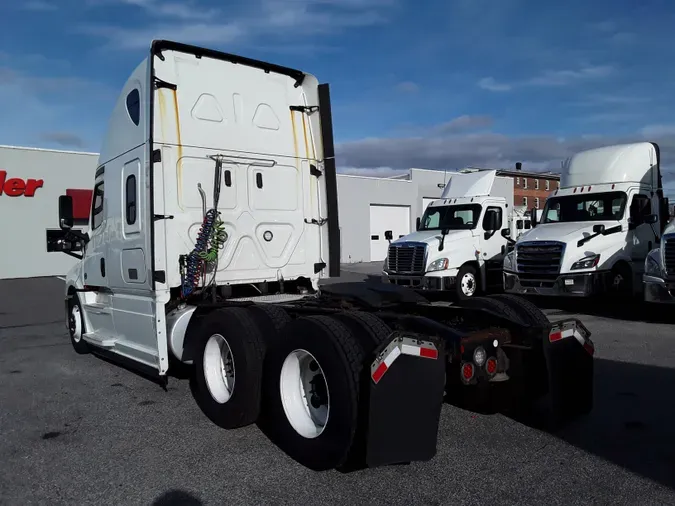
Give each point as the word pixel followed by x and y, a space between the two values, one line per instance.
pixel 433 281
pixel 658 290
pixel 583 284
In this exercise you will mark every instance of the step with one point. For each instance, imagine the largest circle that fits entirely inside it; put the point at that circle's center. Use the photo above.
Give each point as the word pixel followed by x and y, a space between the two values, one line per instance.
pixel 97 308
pixel 104 341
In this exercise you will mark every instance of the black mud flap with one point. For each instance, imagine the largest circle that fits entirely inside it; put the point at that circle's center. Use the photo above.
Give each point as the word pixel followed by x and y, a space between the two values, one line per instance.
pixel 407 384
pixel 569 361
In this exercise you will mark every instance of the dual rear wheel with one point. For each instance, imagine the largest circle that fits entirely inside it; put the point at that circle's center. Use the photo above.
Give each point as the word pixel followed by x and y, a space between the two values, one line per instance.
pixel 301 380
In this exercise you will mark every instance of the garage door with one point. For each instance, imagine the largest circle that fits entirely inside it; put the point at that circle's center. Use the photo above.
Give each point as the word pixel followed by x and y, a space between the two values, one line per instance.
pixel 382 218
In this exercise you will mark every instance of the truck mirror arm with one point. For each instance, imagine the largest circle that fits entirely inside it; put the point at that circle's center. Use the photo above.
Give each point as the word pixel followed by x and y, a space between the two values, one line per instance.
pixel 607 231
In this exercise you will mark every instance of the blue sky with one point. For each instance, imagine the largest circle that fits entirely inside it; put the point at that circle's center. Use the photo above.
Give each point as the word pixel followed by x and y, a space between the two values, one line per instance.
pixel 458 82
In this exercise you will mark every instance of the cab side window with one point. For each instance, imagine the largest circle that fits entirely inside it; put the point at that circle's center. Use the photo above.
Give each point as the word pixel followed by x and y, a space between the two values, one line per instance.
pixel 97 206
pixel 640 207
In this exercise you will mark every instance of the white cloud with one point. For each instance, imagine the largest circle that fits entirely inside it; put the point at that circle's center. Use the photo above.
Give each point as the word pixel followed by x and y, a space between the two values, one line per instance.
pixel 551 78
pixel 196 33
pixel 537 152
pixel 464 124
pixel 372 172
pixel 567 77
pixel 262 20
pixel 489 83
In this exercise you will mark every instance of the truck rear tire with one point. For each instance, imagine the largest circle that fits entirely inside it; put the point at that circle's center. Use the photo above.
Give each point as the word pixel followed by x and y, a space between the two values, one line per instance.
pixel 527 311
pixel 227 377
pixel 492 304
pixel 76 326
pixel 370 329
pixel 321 355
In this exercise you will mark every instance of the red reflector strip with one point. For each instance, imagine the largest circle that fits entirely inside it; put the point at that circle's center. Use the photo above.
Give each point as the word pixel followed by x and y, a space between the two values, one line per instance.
pixel 379 372
pixel 428 353
pixel 419 351
pixel 561 334
pixel 589 349
pixel 385 365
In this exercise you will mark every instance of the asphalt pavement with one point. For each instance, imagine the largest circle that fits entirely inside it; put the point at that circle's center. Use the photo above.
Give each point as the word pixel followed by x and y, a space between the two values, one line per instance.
pixel 80 430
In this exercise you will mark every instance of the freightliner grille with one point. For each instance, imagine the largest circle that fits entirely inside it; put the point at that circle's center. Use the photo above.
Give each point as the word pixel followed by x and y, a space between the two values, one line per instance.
pixel 539 262
pixel 669 255
pixel 407 258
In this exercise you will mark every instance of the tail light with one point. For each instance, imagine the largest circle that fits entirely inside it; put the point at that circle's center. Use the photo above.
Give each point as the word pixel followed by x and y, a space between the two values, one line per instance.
pixel 491 366
pixel 467 371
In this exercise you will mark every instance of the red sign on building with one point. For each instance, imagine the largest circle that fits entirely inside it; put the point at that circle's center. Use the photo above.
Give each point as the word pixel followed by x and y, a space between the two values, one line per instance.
pixel 17 187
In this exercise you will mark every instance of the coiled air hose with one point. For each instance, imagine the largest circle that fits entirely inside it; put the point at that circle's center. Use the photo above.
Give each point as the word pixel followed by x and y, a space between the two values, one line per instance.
pixel 210 239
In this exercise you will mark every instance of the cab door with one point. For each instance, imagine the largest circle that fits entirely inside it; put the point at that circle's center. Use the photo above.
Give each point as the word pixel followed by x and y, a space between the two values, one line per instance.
pixel 94 265
pixel 641 235
pixel 493 245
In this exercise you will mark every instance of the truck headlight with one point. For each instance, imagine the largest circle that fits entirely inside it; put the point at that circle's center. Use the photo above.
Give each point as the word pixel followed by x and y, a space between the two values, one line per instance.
pixel 586 262
pixel 510 261
pixel 652 266
pixel 438 265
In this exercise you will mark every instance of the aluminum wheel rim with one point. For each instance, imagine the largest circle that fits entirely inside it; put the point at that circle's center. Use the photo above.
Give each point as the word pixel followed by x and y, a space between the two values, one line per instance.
pixel 304 394
pixel 468 284
pixel 219 371
pixel 75 324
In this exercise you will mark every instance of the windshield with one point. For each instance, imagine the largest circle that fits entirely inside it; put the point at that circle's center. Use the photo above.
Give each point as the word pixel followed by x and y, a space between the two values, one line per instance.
pixel 463 217
pixel 590 207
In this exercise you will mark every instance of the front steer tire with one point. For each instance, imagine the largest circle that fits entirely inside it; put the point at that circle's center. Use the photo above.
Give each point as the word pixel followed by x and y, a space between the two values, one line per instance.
pixel 76 328
pixel 243 336
pixel 340 356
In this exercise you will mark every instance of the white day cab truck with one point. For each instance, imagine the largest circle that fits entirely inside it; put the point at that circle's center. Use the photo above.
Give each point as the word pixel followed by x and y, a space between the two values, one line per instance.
pixel 214 217
pixel 461 239
pixel 596 230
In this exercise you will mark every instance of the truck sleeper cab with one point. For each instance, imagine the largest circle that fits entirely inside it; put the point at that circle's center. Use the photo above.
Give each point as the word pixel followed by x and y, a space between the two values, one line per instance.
pixel 596 230
pixel 213 219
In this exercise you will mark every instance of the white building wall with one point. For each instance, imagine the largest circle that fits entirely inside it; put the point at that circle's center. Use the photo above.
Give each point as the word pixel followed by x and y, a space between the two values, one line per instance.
pixel 25 219
pixel 357 193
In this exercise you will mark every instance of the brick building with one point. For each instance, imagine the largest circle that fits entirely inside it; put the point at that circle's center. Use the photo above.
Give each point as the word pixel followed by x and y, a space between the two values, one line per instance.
pixel 531 189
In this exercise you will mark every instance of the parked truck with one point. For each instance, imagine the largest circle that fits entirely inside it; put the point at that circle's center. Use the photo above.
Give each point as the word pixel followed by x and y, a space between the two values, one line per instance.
pixel 214 218
pixel 597 229
pixel 461 239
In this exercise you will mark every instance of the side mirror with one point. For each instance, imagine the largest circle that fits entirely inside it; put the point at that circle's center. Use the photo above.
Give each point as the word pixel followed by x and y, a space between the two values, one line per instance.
pixel 506 232
pixel 491 221
pixel 533 217
pixel 388 235
pixel 598 229
pixel 419 223
pixel 65 212
pixel 651 219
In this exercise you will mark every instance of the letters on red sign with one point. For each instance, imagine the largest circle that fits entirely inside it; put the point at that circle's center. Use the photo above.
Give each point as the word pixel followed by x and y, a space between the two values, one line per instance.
pixel 16 187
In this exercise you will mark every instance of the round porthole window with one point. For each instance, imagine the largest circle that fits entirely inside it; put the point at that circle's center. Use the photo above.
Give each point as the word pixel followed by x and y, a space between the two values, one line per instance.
pixel 267 235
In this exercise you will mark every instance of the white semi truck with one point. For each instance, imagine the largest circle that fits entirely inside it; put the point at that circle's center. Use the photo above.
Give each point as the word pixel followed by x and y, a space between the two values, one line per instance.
pixel 214 218
pixel 597 229
pixel 461 239
pixel 659 275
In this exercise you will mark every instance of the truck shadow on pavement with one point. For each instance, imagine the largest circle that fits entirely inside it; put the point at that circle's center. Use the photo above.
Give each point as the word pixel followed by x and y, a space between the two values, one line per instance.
pixel 177 498
pixel 635 310
pixel 632 422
